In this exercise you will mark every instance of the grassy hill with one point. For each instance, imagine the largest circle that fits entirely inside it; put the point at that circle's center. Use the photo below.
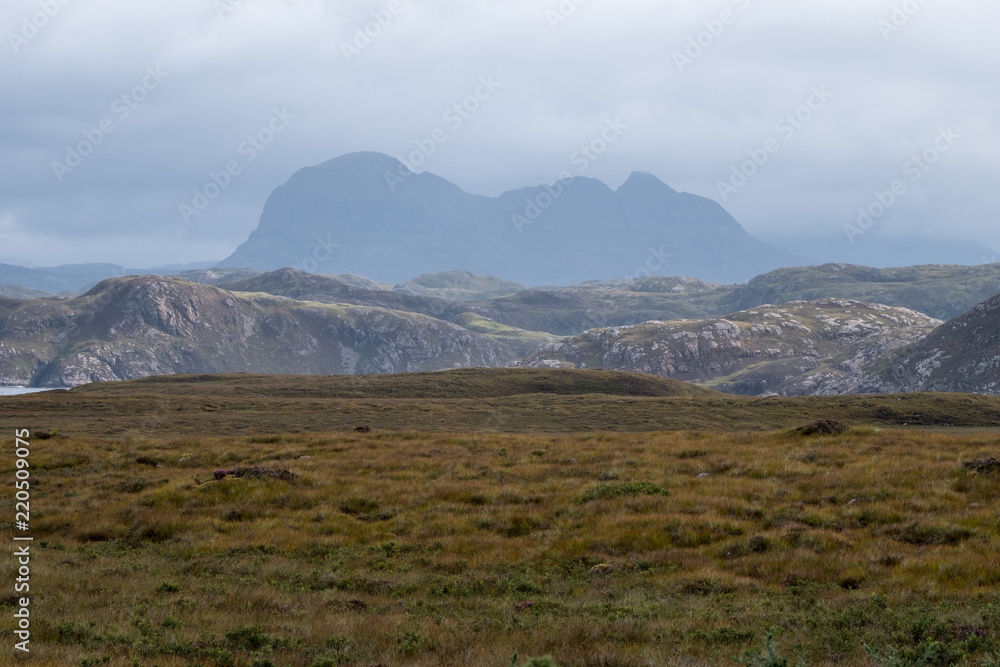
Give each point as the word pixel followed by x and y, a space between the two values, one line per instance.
pixel 472 400
pixel 466 383
pixel 605 518
pixel 459 286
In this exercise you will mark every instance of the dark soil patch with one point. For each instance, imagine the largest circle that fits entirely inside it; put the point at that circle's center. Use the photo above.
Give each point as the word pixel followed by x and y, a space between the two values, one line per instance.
pixel 823 427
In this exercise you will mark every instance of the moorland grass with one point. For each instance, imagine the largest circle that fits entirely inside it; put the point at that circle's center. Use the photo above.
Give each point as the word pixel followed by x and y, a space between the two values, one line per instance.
pixel 529 401
pixel 412 548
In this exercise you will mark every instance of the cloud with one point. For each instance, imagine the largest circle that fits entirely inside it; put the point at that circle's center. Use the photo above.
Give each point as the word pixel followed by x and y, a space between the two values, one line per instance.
pixel 561 80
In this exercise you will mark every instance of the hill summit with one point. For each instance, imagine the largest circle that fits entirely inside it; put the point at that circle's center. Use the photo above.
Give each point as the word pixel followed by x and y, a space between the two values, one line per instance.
pixel 366 213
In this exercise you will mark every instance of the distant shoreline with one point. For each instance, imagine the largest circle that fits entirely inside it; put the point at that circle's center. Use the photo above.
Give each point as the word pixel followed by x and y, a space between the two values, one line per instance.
pixel 17 391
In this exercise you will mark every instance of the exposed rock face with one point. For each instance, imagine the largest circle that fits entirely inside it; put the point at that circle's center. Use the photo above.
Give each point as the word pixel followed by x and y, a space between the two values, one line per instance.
pixel 128 328
pixel 293 322
pixel 962 355
pixel 559 310
pixel 800 348
pixel 942 292
pixel 364 213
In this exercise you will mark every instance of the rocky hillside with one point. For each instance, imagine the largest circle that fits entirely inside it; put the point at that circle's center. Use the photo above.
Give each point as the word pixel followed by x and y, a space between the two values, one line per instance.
pixel 134 327
pixel 559 310
pixel 962 355
pixel 459 286
pixel 18 292
pixel 289 321
pixel 940 291
pixel 330 289
pixel 799 348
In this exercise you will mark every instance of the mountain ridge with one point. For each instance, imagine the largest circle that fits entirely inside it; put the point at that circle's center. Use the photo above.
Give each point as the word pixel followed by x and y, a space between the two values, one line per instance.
pixel 355 214
pixel 133 327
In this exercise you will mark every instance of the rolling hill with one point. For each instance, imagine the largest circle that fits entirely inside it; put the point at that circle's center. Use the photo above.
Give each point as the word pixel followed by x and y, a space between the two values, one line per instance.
pixel 800 348
pixel 134 327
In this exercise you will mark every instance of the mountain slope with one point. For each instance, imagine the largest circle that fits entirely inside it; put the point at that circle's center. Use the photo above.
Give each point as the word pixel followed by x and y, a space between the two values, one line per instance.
pixel 19 292
pixel 356 214
pixel 559 310
pixel 962 355
pixel 941 291
pixel 458 286
pixel 800 348
pixel 134 327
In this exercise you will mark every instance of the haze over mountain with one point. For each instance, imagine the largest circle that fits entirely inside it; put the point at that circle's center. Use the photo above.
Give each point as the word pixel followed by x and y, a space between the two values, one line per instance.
pixel 366 213
pixel 76 278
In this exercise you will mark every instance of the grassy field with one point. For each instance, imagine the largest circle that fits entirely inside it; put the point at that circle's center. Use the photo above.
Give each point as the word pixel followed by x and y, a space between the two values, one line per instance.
pixel 529 401
pixel 406 546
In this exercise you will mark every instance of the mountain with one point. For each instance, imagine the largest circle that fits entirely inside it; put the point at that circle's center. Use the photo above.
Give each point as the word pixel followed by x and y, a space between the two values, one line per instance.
pixel 77 278
pixel 133 327
pixel 941 291
pixel 18 292
pixel 58 279
pixel 215 276
pixel 962 355
pixel 801 348
pixel 572 310
pixel 289 321
pixel 559 310
pixel 364 213
pixel 459 286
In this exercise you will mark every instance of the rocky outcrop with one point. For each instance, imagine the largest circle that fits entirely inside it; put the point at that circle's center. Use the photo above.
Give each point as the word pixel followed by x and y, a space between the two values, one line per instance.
pixel 800 348
pixel 962 355
pixel 127 328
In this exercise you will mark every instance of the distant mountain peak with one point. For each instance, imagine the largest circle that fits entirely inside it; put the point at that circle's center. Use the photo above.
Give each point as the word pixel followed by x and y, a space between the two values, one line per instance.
pixel 644 180
pixel 365 213
pixel 362 160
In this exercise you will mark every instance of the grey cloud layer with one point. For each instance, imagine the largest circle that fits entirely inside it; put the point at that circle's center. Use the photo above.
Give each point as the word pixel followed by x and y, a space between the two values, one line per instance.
pixel 566 68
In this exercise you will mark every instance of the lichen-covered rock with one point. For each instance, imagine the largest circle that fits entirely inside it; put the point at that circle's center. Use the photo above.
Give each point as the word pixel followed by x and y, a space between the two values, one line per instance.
pixel 962 355
pixel 800 348
pixel 127 328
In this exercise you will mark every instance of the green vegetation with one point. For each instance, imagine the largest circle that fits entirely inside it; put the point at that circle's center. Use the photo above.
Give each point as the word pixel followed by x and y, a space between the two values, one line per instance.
pixel 941 291
pixel 421 549
pixel 454 384
pixel 471 400
pixel 420 546
pixel 622 489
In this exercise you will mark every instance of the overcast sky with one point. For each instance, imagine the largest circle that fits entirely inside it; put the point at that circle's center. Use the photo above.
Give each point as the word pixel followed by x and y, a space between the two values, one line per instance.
pixel 113 113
